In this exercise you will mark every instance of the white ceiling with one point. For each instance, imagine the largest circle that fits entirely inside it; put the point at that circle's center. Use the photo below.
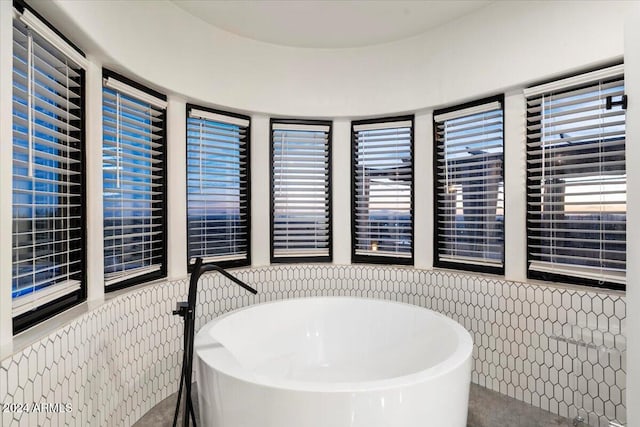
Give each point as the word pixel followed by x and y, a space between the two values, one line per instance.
pixel 328 23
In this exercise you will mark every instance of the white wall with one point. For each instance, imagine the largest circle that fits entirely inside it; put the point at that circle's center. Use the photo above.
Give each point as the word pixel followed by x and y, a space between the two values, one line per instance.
pixel 260 191
pixel 515 199
pixel 177 188
pixel 423 190
pixel 341 190
pixel 502 45
pixel 95 220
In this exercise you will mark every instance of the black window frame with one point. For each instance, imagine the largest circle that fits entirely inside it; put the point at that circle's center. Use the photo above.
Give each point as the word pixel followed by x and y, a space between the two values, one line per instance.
pixel 547 276
pixel 245 262
pixel 162 273
pixel 437 262
pixel 300 259
pixel 50 309
pixel 373 259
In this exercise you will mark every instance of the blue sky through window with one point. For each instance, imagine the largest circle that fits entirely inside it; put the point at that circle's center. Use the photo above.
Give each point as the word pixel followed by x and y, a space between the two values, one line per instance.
pixel 216 189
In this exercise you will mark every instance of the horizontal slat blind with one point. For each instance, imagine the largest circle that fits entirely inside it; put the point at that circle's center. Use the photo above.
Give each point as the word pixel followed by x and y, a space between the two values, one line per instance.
pixel 133 196
pixel 383 184
pixel 48 218
pixel 217 184
pixel 576 183
pixel 470 185
pixel 300 190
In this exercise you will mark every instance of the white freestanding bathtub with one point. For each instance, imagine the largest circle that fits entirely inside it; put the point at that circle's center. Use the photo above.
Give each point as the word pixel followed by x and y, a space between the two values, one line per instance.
pixel 333 362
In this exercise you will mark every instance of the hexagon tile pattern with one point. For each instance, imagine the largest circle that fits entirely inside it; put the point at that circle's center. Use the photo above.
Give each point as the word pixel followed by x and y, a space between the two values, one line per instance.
pixel 562 350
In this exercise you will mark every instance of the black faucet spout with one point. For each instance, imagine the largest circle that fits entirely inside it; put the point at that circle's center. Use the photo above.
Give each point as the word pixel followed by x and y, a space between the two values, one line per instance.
pixel 199 269
pixel 213 267
pixel 186 310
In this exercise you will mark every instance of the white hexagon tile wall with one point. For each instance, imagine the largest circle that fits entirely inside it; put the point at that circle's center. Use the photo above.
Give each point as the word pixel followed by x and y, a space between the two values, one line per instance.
pixel 561 349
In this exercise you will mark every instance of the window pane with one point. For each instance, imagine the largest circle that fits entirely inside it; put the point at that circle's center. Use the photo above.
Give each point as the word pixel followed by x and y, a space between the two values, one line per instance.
pixel 577 182
pixel 470 187
pixel 300 191
pixel 383 185
pixel 48 219
pixel 133 195
pixel 217 188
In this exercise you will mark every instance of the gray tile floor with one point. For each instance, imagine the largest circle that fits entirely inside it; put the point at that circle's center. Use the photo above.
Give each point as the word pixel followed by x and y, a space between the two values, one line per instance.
pixel 486 409
pixel 490 409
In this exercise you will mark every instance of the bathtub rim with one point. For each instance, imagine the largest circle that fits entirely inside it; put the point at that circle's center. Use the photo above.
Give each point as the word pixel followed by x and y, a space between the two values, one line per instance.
pixel 456 360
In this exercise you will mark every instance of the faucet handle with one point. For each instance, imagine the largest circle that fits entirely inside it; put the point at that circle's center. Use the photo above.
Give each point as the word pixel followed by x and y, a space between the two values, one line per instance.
pixel 182 308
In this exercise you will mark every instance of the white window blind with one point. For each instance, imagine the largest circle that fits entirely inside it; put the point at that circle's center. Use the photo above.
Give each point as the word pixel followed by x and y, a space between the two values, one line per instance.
pixel 576 183
pixel 48 218
pixel 382 215
pixel 218 187
pixel 133 182
pixel 470 185
pixel 300 192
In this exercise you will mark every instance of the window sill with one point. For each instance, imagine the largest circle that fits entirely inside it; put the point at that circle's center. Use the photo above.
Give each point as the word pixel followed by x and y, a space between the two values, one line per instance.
pixel 533 282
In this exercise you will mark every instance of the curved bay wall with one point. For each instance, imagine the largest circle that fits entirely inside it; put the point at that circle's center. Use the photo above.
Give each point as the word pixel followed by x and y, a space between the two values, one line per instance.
pixel 501 46
pixel 563 350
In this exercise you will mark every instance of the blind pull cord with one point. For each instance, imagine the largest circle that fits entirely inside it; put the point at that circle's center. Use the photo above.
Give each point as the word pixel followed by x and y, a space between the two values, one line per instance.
pixel 602 195
pixel 285 179
pixel 123 266
pixel 234 231
pixel 366 184
pixel 147 249
pixel 201 159
pixel 118 140
pixel 68 176
pixel 485 227
pixel 543 179
pixel 396 199
pixel 30 157
pixel 321 221
pixel 122 263
pixel 448 189
pixel 202 154
pixel 30 103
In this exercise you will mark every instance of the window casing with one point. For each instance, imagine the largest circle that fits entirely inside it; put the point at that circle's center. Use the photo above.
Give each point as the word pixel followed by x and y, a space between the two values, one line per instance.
pixel 469 186
pixel 576 179
pixel 48 257
pixel 134 176
pixel 218 187
pixel 382 190
pixel 300 191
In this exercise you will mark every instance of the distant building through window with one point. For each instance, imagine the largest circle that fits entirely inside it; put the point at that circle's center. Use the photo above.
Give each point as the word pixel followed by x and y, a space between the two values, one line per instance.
pixel 469 186
pixel 576 179
pixel 382 184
